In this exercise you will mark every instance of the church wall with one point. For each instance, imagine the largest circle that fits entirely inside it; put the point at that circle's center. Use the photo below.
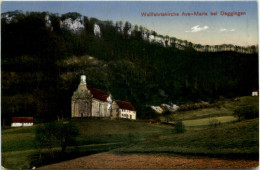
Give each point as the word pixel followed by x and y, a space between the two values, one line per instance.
pixel 95 108
pixel 99 108
pixel 80 108
pixel 72 109
pixel 104 109
pixel 102 114
pixel 115 110
pixel 75 109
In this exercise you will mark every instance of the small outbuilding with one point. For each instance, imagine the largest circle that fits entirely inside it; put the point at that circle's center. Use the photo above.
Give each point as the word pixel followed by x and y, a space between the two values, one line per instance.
pixel 126 110
pixel 255 92
pixel 22 121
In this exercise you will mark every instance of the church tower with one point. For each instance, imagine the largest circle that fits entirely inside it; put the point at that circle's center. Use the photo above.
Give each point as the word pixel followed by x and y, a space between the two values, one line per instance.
pixel 81 100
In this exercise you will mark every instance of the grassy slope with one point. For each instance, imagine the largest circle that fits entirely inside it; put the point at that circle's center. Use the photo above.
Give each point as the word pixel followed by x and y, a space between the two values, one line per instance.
pixel 121 131
pixel 197 119
pixel 236 139
pixel 239 138
pixel 205 121
pixel 95 136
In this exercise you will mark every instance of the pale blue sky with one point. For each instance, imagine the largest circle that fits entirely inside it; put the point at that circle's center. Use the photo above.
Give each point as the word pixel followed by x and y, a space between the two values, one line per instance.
pixel 209 30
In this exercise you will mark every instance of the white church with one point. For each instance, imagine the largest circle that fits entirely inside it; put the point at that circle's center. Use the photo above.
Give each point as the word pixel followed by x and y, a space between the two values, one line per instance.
pixel 90 102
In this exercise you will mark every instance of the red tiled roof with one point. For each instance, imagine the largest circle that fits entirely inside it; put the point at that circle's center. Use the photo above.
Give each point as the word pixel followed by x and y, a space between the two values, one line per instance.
pixel 22 119
pixel 97 94
pixel 125 105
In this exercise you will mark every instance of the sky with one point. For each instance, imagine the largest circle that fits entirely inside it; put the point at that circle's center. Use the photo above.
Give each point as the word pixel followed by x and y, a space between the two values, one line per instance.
pixel 206 30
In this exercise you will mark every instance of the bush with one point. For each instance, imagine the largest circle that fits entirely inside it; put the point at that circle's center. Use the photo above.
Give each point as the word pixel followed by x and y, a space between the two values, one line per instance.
pixel 246 112
pixel 180 128
pixel 45 136
pixel 51 134
pixel 214 122
pixel 167 115
pixel 66 134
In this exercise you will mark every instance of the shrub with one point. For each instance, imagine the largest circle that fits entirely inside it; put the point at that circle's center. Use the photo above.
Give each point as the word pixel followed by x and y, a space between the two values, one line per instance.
pixel 180 128
pixel 66 134
pixel 214 122
pixel 246 112
pixel 167 115
pixel 45 136
pixel 50 134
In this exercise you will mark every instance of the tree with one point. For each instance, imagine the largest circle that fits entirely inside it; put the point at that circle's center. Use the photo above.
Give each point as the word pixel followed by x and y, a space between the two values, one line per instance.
pixel 190 44
pixel 167 40
pixel 50 134
pixel 246 112
pixel 253 49
pixel 121 25
pixel 207 48
pixel 167 115
pixel 46 136
pixel 127 27
pixel 173 41
pixel 72 15
pixel 136 28
pixel 186 43
pixel 180 128
pixel 154 33
pixel 66 134
pixel 141 29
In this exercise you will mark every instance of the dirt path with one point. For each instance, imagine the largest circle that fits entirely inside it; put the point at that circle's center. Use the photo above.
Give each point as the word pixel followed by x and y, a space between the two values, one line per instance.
pixel 109 160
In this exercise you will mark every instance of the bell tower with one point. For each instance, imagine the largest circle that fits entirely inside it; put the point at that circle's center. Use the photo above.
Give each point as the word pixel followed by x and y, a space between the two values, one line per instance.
pixel 81 101
pixel 83 79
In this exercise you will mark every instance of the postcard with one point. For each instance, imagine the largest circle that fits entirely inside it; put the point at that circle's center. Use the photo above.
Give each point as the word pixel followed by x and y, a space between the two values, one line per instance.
pixel 129 84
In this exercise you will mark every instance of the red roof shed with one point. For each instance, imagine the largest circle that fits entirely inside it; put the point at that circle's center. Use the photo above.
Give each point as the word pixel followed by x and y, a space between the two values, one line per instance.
pixel 125 105
pixel 22 119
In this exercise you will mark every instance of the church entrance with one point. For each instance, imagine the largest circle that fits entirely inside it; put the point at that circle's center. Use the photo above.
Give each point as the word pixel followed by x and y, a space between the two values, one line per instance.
pixel 82 109
pixel 85 109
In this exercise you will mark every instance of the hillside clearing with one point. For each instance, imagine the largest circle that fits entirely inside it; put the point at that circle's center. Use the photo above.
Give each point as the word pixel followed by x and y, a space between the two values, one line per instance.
pixel 229 140
pixel 206 121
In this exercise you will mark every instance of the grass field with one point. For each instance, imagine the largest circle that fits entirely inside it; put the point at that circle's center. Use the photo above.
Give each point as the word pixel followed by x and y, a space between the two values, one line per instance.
pixel 229 139
pixel 197 119
pixel 237 139
pixel 206 121
pixel 18 144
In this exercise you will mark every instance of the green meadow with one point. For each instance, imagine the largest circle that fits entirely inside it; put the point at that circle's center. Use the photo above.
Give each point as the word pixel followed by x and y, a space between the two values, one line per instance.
pixel 229 139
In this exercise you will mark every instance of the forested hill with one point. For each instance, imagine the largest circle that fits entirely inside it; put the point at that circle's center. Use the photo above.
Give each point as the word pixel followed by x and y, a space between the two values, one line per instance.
pixel 44 54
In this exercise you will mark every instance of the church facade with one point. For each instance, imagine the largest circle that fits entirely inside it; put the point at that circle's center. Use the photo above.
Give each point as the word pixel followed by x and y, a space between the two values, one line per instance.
pixel 90 102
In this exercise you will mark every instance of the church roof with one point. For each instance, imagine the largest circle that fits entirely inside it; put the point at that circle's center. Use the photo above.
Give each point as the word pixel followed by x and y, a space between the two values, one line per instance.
pixel 97 94
pixel 125 105
pixel 22 119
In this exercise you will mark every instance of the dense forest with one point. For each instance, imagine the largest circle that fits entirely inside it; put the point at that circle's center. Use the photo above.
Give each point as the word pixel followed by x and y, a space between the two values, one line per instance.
pixel 41 66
